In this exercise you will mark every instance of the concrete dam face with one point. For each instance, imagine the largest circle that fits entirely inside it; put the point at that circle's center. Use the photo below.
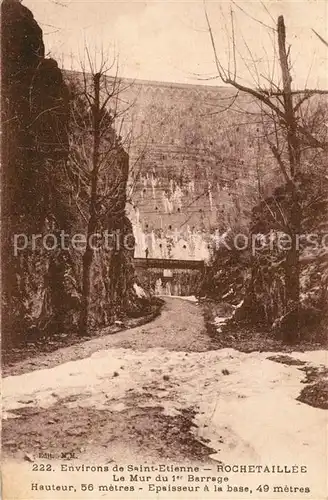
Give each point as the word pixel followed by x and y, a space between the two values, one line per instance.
pixel 197 162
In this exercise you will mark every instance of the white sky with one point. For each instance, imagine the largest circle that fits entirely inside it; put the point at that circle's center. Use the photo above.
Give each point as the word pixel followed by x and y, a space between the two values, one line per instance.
pixel 168 40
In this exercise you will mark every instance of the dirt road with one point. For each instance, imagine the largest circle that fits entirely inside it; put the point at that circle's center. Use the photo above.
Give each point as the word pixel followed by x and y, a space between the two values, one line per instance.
pixel 161 392
pixel 180 327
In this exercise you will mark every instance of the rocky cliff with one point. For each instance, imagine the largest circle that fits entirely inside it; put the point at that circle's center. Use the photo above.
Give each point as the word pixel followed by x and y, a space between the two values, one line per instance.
pixel 42 280
pixel 253 280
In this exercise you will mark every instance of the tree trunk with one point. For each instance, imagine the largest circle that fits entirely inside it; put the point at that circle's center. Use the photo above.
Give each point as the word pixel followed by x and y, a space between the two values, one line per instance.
pixel 292 275
pixel 292 266
pixel 86 280
pixel 92 225
pixel 86 292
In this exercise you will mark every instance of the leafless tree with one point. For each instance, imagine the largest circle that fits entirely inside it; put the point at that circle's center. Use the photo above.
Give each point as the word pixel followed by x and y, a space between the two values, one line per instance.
pixel 286 129
pixel 98 166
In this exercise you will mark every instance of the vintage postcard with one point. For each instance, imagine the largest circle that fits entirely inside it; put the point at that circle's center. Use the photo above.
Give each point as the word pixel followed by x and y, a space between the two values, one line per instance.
pixel 164 249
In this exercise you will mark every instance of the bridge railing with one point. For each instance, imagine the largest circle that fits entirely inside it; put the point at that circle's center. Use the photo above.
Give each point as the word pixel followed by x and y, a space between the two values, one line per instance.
pixel 169 263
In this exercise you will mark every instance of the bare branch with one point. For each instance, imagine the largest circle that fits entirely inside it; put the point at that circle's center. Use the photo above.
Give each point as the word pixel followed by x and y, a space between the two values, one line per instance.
pixel 320 38
pixel 233 45
pixel 253 18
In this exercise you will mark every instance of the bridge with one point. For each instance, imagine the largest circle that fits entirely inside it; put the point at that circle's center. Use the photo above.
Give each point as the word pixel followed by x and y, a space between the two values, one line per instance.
pixel 170 276
pixel 169 264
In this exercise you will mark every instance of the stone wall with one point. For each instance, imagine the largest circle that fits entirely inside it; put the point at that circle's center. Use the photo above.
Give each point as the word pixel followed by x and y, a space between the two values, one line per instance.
pixel 197 161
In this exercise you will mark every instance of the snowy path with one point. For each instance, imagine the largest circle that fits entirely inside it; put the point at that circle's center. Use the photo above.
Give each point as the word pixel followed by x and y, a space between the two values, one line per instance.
pixel 245 405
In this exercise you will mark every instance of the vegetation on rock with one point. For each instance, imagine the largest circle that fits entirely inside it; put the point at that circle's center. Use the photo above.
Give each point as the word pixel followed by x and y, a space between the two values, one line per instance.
pixel 43 285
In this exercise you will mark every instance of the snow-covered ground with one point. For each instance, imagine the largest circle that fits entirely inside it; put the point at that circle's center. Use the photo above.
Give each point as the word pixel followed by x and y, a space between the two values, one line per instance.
pixel 245 404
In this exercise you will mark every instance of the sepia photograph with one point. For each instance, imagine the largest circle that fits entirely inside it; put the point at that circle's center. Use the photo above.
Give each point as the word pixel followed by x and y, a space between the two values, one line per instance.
pixel 164 249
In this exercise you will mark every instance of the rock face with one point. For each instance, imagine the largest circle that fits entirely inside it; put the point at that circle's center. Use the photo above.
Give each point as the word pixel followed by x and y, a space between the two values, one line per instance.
pixel 255 280
pixel 41 279
pixel 34 114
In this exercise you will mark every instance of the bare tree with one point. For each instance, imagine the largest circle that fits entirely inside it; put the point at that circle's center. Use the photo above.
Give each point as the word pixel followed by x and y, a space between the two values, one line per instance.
pixel 98 166
pixel 287 133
